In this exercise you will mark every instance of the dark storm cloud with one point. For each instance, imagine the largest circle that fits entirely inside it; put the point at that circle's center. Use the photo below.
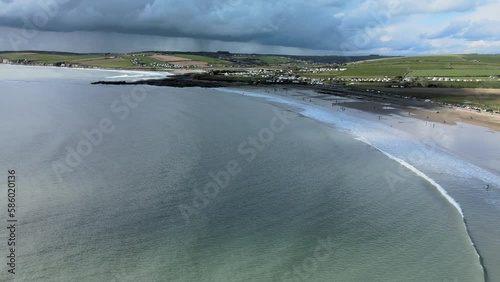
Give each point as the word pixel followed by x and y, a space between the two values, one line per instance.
pixel 296 23
pixel 312 26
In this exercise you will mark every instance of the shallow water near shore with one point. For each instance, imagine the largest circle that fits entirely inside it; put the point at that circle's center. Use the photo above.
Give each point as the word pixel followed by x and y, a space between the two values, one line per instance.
pixel 312 203
pixel 446 156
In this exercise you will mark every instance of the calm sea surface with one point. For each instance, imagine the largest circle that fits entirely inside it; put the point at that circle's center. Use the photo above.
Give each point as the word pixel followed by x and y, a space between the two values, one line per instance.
pixel 124 183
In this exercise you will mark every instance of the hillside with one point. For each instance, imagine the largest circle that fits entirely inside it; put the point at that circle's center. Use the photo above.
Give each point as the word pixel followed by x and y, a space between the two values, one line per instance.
pixel 470 71
pixel 173 60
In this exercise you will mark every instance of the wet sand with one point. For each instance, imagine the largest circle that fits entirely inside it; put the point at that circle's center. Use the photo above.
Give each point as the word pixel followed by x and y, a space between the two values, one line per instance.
pixel 438 115
pixel 445 91
pixel 476 139
pixel 386 105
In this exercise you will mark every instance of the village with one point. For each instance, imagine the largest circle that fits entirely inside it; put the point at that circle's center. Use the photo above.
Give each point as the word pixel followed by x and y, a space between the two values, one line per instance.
pixel 298 72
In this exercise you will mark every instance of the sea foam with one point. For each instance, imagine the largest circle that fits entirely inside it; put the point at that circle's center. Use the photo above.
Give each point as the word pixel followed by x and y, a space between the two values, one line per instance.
pixel 400 146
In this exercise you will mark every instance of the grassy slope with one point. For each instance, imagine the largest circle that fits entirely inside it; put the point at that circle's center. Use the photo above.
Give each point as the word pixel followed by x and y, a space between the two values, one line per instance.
pixel 424 66
pixel 47 58
pixel 452 66
pixel 470 67
pixel 208 60
pixel 273 60
pixel 96 60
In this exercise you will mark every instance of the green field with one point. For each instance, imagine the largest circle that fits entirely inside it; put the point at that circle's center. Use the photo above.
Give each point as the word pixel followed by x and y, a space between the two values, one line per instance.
pixel 122 61
pixel 424 66
pixel 471 67
pixel 48 58
pixel 146 59
pixel 273 60
pixel 374 70
pixel 92 60
pixel 208 60
pixel 457 72
pixel 103 63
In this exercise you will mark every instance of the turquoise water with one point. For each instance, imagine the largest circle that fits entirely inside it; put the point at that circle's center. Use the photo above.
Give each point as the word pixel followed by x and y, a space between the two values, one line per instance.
pixel 307 202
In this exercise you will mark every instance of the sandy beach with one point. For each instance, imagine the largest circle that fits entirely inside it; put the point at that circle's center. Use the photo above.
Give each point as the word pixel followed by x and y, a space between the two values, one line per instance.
pixel 445 114
pixel 468 134
pixel 437 114
pixel 425 111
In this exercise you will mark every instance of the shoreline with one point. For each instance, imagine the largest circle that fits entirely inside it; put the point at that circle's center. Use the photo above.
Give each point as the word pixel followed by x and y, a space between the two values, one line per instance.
pixel 470 141
pixel 427 110
pixel 434 112
pixel 390 105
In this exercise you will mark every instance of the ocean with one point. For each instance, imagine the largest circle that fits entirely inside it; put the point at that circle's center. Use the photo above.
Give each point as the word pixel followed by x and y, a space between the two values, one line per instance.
pixel 140 183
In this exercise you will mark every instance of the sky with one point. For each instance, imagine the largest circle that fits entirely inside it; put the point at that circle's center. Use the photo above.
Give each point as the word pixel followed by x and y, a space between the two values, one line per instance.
pixel 295 27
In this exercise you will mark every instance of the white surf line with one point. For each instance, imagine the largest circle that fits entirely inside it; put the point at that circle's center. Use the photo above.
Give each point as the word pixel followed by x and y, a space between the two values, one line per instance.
pixel 280 99
pixel 116 71
pixel 443 192
pixel 440 188
pixel 373 130
pixel 419 173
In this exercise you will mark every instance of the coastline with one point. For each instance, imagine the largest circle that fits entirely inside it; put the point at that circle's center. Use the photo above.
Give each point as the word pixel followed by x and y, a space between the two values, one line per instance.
pixel 472 140
pixel 386 105
pixel 80 67
pixel 435 115
pixel 433 112
pixel 423 109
